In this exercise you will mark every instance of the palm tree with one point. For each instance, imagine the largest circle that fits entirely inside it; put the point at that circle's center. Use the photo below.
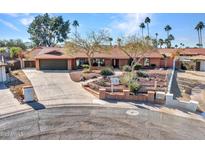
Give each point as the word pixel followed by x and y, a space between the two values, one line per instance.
pixel 200 27
pixel 156 34
pixel 110 40
pixel 197 28
pixel 147 21
pixel 142 26
pixel 168 43
pixel 119 41
pixel 181 44
pixel 161 42
pixel 75 25
pixel 167 29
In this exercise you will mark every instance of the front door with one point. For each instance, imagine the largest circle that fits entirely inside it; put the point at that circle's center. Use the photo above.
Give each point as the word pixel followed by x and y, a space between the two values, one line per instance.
pixel 115 63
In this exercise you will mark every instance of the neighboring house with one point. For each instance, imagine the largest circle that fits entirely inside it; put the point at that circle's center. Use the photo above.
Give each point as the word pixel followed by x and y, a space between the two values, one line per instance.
pixel 53 58
pixel 2 72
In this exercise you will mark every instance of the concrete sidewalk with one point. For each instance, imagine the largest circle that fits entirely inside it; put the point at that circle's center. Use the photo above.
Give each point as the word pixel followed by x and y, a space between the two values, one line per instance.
pixel 8 103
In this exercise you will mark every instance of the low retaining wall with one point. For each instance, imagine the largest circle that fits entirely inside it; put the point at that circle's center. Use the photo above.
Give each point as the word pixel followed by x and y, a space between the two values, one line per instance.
pixel 125 95
pixel 187 105
pixel 174 103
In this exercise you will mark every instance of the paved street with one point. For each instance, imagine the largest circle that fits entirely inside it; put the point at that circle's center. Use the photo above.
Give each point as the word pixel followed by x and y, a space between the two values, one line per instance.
pixel 57 87
pixel 99 123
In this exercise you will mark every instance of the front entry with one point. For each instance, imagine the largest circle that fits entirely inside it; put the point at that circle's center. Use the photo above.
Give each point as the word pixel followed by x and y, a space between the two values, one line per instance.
pixel 115 63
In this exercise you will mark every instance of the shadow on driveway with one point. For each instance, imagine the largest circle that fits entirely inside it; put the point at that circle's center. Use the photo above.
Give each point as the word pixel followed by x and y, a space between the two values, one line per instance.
pixel 36 105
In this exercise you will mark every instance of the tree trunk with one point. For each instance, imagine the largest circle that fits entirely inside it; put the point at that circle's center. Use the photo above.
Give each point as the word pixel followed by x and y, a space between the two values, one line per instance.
pixel 201 38
pixel 90 63
pixel 147 29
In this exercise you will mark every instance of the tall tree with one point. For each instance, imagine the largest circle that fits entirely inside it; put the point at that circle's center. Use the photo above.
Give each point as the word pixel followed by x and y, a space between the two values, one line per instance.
pixel 199 39
pixel 75 25
pixel 136 48
pixel 170 38
pixel 48 31
pixel 110 40
pixel 161 42
pixel 168 28
pixel 142 26
pixel 13 43
pixel 92 43
pixel 147 21
pixel 119 40
pixel 201 27
pixel 156 34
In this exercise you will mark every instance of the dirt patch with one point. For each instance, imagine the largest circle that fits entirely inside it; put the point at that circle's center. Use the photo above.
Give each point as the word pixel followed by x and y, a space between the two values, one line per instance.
pixel 17 80
pixel 78 76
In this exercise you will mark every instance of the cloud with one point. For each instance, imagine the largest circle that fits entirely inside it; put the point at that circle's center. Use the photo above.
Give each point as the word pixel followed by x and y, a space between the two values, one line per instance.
pixel 27 20
pixel 8 24
pixel 129 23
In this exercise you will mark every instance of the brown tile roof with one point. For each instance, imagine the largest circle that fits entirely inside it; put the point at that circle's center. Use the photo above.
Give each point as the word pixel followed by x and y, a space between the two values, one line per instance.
pixel 49 53
pixel 115 52
pixel 199 57
pixel 185 52
pixel 31 54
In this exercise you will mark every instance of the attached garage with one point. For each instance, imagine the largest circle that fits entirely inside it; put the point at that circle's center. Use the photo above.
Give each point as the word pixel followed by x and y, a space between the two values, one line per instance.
pixel 53 64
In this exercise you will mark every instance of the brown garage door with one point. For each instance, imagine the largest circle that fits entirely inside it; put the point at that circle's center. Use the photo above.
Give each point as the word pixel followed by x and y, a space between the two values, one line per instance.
pixel 53 64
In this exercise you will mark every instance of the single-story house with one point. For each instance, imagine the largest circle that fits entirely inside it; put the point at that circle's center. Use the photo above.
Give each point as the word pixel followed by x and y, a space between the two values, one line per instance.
pixel 51 58
pixel 199 62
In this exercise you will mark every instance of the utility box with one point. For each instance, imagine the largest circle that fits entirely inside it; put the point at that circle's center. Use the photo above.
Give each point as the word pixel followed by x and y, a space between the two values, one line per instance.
pixel 28 93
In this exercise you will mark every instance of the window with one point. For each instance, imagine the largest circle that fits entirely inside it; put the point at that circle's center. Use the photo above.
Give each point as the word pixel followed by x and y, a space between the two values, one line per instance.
pixel 80 62
pixel 146 62
pixel 98 62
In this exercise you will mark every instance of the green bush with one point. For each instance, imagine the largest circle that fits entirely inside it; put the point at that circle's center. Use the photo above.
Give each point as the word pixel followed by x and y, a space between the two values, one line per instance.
pixel 106 72
pixel 86 70
pixel 138 66
pixel 126 68
pixel 125 79
pixel 134 86
pixel 15 51
pixel 142 74
pixel 153 65
pixel 85 66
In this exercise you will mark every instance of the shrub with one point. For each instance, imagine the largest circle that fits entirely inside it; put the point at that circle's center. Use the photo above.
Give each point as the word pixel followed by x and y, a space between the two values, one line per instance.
pixel 106 72
pixel 85 66
pixel 125 79
pixel 101 83
pixel 153 65
pixel 86 70
pixel 138 66
pixel 142 74
pixel 127 68
pixel 134 86
pixel 15 51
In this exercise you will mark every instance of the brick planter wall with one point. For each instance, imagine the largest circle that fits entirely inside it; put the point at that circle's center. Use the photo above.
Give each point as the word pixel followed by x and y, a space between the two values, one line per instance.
pixel 150 96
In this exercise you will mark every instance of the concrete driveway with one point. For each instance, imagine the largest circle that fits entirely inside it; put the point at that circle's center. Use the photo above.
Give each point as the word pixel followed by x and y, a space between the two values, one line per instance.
pixel 57 87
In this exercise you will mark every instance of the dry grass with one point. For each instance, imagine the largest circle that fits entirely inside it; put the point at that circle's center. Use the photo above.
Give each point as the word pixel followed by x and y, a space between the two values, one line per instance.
pixel 17 81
